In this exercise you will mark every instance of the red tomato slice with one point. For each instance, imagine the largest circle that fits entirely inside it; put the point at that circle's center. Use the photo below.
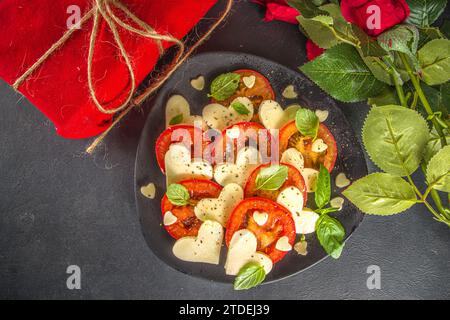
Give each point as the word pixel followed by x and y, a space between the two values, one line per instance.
pixel 187 223
pixel 165 139
pixel 262 90
pixel 248 131
pixel 294 179
pixel 290 137
pixel 279 224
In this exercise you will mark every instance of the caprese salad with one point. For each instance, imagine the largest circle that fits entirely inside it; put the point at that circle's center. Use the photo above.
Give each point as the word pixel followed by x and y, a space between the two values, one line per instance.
pixel 241 173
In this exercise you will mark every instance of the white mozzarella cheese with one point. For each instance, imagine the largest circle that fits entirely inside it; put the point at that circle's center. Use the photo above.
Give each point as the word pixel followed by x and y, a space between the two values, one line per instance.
pixel 293 157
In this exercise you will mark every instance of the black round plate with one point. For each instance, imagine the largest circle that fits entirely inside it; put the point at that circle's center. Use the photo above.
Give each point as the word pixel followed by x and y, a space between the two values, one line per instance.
pixel 350 156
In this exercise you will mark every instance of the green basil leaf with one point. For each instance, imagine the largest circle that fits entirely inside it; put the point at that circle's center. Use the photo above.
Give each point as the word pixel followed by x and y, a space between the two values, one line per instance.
pixel 394 138
pixel 401 38
pixel 322 194
pixel 271 178
pixel 240 108
pixel 176 120
pixel 307 122
pixel 342 73
pixel 434 59
pixel 177 194
pixel 326 210
pixel 306 7
pixel 224 86
pixel 331 234
pixel 381 194
pixel 425 12
pixel 250 275
pixel 438 170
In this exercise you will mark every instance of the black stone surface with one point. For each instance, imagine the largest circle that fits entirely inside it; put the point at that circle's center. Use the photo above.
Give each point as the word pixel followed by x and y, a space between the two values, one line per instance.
pixel 60 207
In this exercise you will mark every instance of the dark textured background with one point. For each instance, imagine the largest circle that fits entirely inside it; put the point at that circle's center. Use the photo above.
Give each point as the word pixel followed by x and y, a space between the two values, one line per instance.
pixel 60 207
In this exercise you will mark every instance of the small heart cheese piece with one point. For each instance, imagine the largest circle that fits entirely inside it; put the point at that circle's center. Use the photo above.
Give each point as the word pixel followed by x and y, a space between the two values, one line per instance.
pixel 292 199
pixel 247 160
pixel 310 176
pixel 289 92
pixel 306 221
pixel 176 106
pixel 260 217
pixel 219 117
pixel 242 250
pixel 271 115
pixel 337 202
pixel 341 180
pixel 203 248
pixel 149 190
pixel 180 166
pixel 322 115
pixel 198 83
pixel 169 218
pixel 219 209
pixel 293 157
pixel 319 146
pixel 301 248
pixel 249 81
pixel 283 244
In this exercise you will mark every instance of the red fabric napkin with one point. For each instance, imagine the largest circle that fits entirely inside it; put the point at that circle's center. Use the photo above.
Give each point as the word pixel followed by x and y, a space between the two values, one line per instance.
pixel 59 88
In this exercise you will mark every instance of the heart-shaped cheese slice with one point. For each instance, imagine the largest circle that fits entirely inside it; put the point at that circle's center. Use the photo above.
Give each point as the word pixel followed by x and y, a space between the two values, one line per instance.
pixel 289 92
pixel 198 83
pixel 203 248
pixel 219 117
pixel 219 209
pixel 337 202
pixel 260 217
pixel 271 114
pixel 247 159
pixel 310 176
pixel 169 218
pixel 292 199
pixel 149 190
pixel 177 106
pixel 249 81
pixel 283 244
pixel 293 157
pixel 341 180
pixel 322 115
pixel 242 250
pixel 180 166
pixel 319 146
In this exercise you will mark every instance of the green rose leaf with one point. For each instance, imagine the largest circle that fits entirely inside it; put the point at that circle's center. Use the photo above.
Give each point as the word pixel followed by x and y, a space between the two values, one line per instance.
pixel 434 59
pixel 307 122
pixel 322 194
pixel 401 38
pixel 438 170
pixel 380 71
pixel 386 97
pixel 271 178
pixel 331 234
pixel 320 30
pixel 342 73
pixel 250 275
pixel 427 34
pixel 381 194
pixel 176 120
pixel 240 108
pixel 368 46
pixel 306 7
pixel 425 12
pixel 394 138
pixel 177 194
pixel 224 86
pixel 433 145
pixel 445 28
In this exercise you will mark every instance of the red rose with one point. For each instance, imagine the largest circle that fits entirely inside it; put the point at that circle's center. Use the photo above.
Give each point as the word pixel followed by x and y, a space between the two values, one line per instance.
pixel 279 10
pixel 312 50
pixel 375 16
